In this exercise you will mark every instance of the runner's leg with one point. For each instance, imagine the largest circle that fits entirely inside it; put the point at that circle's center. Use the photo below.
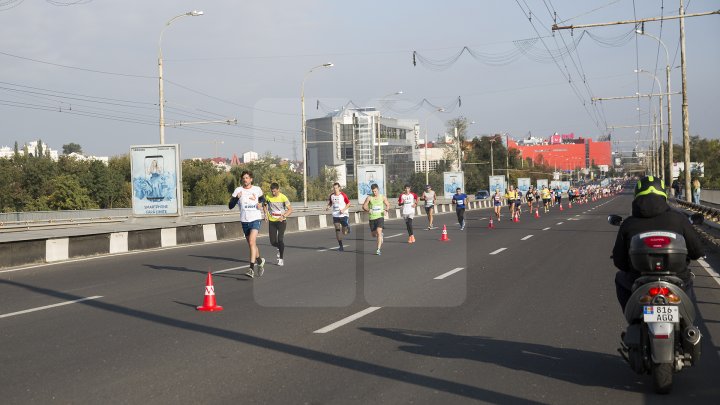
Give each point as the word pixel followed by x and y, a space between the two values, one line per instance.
pixel 281 226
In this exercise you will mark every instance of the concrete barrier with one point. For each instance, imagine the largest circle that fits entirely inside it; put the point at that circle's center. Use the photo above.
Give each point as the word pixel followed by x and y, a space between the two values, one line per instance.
pixel 57 249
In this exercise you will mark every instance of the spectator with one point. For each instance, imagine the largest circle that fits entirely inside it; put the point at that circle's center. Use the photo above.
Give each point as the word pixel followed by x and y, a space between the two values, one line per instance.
pixel 696 191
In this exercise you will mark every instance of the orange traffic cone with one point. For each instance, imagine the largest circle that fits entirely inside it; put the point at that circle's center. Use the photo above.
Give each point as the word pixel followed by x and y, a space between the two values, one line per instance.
pixel 537 213
pixel 569 205
pixel 444 236
pixel 561 208
pixel 209 302
pixel 491 225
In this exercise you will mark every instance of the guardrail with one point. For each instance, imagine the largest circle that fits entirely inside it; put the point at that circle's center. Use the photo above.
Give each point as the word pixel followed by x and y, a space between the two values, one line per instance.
pixel 709 213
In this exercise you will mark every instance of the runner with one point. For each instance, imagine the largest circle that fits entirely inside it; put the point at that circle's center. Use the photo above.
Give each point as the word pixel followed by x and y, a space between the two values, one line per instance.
pixel 277 210
pixel 511 196
pixel 518 202
pixel 497 203
pixel 250 199
pixel 376 214
pixel 558 196
pixel 530 197
pixel 340 204
pixel 459 200
pixel 429 197
pixel 545 194
pixel 408 202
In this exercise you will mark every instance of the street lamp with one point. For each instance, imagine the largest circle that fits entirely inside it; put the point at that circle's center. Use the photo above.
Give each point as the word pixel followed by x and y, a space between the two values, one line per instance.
pixel 662 145
pixel 492 166
pixel 669 110
pixel 304 129
pixel 427 162
pixel 194 13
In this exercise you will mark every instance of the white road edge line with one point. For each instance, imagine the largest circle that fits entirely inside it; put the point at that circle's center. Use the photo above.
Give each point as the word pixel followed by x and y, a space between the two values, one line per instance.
pixel 497 251
pixel 231 269
pixel 527 237
pixel 710 270
pixel 49 306
pixel 449 273
pixel 347 320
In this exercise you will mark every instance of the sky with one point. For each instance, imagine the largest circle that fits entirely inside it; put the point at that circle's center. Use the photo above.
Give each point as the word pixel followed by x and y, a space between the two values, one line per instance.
pixel 86 71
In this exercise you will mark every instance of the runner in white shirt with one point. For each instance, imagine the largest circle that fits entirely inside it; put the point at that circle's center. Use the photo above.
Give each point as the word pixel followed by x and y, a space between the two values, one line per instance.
pixel 429 197
pixel 340 204
pixel 408 202
pixel 250 199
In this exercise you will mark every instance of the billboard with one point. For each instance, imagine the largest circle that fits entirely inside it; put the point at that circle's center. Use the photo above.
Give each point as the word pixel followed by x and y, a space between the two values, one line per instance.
pixel 540 183
pixel 367 175
pixel 451 182
pixel 497 182
pixel 156 174
pixel 523 184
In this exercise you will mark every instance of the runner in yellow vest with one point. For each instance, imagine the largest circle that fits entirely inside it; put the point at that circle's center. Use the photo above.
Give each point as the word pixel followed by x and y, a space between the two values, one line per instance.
pixel 376 205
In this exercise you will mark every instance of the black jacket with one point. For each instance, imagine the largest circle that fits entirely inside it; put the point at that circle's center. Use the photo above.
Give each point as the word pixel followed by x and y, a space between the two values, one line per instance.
pixel 652 213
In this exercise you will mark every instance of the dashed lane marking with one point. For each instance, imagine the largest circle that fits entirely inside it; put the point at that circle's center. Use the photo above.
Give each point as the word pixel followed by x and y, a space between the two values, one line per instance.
pixel 334 248
pixel 49 306
pixel 527 237
pixel 497 251
pixel 545 229
pixel 559 223
pixel 347 320
pixel 449 273
pixel 393 236
pixel 231 269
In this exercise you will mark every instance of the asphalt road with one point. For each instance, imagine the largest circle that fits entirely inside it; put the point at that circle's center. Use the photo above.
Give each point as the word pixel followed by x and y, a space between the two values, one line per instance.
pixel 524 313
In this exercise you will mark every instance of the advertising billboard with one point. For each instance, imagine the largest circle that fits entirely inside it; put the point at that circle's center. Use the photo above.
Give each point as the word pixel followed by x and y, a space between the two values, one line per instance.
pixel 497 182
pixel 367 176
pixel 453 181
pixel 156 174
pixel 523 184
pixel 541 183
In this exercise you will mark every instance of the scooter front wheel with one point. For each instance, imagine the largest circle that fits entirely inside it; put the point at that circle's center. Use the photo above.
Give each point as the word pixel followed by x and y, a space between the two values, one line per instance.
pixel 662 375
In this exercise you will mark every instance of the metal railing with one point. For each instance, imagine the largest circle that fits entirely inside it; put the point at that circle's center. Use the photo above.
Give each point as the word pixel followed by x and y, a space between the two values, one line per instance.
pixel 710 213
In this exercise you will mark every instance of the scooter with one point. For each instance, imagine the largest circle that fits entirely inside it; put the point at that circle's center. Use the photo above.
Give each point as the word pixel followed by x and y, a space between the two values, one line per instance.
pixel 661 338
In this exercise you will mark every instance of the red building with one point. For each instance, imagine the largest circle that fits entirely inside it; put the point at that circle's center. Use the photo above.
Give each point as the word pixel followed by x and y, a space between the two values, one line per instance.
pixel 565 152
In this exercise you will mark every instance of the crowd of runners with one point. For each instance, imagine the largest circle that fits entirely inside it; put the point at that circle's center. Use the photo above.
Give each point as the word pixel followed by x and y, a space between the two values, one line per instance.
pixel 275 208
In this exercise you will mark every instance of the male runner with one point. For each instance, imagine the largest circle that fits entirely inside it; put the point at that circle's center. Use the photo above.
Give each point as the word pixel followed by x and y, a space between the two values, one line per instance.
pixel 429 197
pixel 408 202
pixel 530 197
pixel 277 209
pixel 459 200
pixel 340 204
pixel 545 194
pixel 250 199
pixel 376 205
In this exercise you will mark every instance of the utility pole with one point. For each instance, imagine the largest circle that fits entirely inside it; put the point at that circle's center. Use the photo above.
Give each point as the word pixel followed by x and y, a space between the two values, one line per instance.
pixel 685 118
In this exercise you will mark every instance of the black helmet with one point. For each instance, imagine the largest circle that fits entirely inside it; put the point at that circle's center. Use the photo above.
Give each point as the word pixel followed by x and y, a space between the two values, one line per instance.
pixel 650 185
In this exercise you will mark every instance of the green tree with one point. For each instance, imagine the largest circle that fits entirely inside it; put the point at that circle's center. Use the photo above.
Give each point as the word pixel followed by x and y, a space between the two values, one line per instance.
pixel 68 194
pixel 71 148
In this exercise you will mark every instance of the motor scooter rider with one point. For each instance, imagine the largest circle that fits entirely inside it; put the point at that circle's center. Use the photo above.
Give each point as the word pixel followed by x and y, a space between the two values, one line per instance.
pixel 651 212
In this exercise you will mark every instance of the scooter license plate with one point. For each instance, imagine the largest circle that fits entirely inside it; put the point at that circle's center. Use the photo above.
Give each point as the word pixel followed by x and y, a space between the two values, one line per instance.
pixel 661 313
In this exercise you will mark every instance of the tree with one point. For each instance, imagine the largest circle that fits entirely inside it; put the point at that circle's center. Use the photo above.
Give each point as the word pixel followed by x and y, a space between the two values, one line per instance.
pixel 67 194
pixel 72 148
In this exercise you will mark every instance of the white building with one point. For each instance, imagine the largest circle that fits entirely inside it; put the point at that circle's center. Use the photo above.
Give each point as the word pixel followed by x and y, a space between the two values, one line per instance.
pixel 432 157
pixel 250 156
pixel 80 157
pixel 8 152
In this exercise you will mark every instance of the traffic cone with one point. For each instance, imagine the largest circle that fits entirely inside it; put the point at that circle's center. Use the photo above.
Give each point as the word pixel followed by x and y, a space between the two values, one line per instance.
pixel 209 304
pixel 569 205
pixel 444 237
pixel 561 208
pixel 491 225
pixel 537 213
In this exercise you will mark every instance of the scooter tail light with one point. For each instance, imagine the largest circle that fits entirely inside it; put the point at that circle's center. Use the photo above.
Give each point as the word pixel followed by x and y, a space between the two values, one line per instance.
pixel 673 299
pixel 655 291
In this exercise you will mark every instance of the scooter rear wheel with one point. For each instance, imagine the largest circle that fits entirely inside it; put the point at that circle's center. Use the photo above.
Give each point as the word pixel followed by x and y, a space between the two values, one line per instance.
pixel 662 375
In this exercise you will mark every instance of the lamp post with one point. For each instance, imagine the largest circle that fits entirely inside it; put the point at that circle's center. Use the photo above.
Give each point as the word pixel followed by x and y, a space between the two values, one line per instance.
pixel 492 165
pixel 669 109
pixel 304 129
pixel 194 13
pixel 427 163
pixel 662 145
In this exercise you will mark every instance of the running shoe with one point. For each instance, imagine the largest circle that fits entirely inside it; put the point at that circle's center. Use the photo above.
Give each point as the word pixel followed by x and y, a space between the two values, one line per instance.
pixel 250 273
pixel 346 230
pixel 281 262
pixel 413 238
pixel 410 239
pixel 377 252
pixel 462 228
pixel 261 269
pixel 341 249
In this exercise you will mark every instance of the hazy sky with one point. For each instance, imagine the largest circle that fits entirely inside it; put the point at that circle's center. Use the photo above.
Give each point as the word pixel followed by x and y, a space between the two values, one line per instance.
pixel 87 73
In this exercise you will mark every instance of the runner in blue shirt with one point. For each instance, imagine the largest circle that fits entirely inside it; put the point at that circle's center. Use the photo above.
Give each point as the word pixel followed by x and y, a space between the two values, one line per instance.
pixel 459 200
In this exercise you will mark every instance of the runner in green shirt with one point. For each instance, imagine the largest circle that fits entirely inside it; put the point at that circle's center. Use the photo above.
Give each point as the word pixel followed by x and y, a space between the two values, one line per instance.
pixel 376 213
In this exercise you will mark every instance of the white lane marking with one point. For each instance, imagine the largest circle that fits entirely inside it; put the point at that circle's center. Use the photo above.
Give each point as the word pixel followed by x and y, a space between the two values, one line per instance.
pixel 231 269
pixel 541 355
pixel 545 229
pixel 577 215
pixel 334 248
pixel 710 270
pixel 392 236
pixel 497 251
pixel 347 320
pixel 527 237
pixel 449 273
pixel 49 306
pixel 559 223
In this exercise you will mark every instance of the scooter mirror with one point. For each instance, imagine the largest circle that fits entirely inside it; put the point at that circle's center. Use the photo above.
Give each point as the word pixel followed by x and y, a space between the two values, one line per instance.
pixel 697 219
pixel 615 220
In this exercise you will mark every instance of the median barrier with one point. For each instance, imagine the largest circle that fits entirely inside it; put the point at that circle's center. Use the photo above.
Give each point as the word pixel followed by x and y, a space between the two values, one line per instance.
pixel 94 242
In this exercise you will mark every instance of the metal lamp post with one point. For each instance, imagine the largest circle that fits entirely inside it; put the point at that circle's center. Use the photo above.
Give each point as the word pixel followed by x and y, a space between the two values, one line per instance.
pixel 304 129
pixel 194 13
pixel 662 145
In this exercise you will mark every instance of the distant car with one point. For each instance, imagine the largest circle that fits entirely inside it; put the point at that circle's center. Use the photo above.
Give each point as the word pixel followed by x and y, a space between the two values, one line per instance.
pixel 482 194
